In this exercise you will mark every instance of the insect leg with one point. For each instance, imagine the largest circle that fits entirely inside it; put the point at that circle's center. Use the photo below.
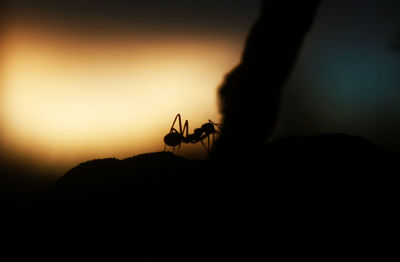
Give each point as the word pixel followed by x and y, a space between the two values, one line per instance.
pixel 204 145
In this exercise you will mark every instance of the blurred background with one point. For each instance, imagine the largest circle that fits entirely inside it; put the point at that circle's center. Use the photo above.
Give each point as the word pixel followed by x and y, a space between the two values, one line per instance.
pixel 97 79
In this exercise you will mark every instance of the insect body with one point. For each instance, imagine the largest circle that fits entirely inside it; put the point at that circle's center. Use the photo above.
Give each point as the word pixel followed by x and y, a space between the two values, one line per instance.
pixel 176 137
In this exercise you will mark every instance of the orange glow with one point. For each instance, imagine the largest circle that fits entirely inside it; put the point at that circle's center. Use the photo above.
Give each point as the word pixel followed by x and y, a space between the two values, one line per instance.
pixel 67 99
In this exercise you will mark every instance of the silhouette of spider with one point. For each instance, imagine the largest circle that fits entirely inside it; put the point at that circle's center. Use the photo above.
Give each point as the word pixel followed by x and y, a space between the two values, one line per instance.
pixel 176 137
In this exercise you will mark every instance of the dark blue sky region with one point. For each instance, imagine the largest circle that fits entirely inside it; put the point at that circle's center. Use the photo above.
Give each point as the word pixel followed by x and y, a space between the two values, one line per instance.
pixel 348 76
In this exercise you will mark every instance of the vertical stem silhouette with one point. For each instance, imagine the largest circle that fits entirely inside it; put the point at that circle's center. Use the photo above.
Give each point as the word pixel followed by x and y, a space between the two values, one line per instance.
pixel 250 94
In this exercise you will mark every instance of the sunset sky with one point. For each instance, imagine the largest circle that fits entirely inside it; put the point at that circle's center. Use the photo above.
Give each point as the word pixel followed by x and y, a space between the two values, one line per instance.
pixel 96 79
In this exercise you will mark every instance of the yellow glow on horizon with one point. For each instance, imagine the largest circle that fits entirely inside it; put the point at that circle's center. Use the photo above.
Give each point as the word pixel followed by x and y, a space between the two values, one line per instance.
pixel 69 99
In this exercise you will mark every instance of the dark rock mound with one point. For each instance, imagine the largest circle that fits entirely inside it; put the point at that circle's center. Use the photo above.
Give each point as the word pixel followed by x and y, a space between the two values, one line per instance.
pixel 165 205
pixel 333 162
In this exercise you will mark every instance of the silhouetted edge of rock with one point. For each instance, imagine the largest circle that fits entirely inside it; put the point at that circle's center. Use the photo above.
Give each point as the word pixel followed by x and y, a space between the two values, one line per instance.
pixel 113 169
pixel 329 157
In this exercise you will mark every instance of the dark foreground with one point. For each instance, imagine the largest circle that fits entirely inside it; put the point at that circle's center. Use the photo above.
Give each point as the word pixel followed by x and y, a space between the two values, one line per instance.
pixel 323 197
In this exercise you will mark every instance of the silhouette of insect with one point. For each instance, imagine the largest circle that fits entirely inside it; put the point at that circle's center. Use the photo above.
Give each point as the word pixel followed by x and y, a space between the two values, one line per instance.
pixel 176 137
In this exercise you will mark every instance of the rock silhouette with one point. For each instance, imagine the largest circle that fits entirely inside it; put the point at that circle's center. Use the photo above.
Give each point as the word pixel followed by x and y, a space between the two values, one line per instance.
pixel 160 205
